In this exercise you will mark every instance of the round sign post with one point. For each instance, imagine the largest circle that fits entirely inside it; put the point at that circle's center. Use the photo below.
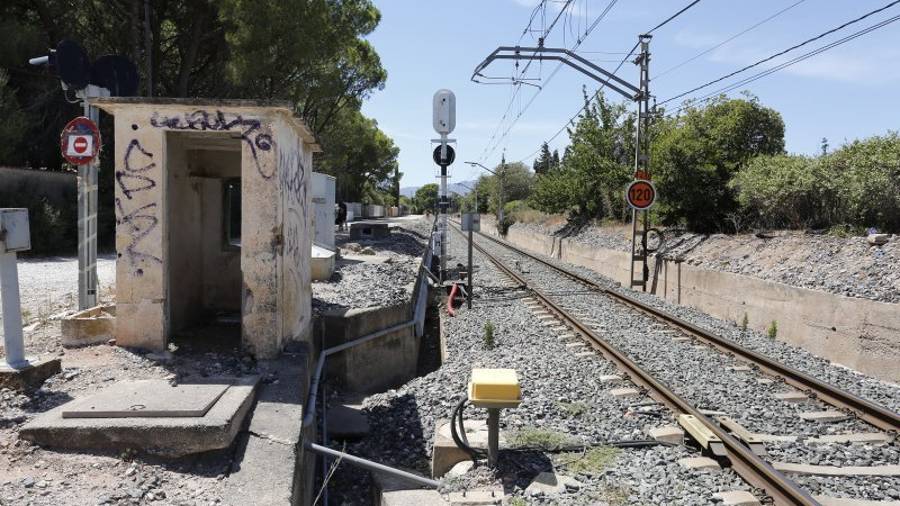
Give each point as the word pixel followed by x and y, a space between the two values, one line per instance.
pixel 80 141
pixel 436 156
pixel 641 194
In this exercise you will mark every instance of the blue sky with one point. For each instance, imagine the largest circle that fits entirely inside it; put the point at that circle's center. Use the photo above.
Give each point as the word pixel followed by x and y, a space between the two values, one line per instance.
pixel 843 94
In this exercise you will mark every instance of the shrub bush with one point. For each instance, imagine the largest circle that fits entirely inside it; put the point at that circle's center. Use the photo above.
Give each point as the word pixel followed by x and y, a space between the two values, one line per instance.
pixel 53 224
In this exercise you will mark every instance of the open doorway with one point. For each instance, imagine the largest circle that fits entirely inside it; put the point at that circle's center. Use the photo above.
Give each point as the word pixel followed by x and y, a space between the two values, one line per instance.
pixel 204 247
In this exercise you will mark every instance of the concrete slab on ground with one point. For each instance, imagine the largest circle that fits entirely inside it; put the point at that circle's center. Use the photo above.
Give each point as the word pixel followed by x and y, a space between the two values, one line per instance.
pixel 737 498
pixel 445 454
pixel 166 436
pixel 147 398
pixel 30 377
pixel 268 464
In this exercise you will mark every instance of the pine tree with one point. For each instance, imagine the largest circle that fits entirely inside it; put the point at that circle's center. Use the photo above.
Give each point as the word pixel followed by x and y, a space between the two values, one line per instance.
pixel 544 161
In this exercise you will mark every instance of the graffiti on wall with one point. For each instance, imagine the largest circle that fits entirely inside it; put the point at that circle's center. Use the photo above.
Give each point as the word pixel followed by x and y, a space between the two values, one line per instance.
pixel 293 176
pixel 257 137
pixel 139 220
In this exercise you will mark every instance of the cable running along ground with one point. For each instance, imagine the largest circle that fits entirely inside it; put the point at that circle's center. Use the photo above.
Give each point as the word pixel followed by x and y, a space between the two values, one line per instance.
pixel 780 53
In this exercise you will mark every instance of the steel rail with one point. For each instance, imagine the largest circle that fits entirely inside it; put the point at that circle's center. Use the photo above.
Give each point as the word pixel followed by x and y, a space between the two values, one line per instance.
pixel 747 464
pixel 864 409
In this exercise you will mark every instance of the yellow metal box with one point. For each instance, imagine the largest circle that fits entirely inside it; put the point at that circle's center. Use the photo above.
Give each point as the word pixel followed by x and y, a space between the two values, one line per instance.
pixel 495 388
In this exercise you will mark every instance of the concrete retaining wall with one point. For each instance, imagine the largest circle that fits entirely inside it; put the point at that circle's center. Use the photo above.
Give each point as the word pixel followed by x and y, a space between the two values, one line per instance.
pixel 857 333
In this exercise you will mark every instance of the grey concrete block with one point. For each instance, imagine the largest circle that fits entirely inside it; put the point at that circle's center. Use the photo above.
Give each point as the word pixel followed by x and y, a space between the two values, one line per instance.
pixel 29 377
pixel 166 436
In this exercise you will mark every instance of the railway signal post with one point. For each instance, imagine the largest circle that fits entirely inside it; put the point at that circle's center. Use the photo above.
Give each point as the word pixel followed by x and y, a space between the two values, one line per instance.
pixel 443 121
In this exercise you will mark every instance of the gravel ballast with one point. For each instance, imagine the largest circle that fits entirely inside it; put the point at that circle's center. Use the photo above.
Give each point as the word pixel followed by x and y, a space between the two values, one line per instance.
pixel 701 375
pixel 562 396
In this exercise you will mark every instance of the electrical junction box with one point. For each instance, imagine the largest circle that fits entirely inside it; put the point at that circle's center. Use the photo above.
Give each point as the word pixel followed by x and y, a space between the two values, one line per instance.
pixel 471 221
pixel 14 231
pixel 494 388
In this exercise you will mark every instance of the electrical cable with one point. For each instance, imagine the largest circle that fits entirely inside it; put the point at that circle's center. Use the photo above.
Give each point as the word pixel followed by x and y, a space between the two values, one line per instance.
pixel 673 16
pixel 603 84
pixel 783 52
pixel 490 149
pixel 475 454
pixel 726 41
pixel 798 59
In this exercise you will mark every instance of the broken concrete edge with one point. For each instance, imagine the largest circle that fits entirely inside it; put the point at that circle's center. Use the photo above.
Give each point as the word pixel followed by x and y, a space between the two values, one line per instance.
pixel 165 437
pixel 31 377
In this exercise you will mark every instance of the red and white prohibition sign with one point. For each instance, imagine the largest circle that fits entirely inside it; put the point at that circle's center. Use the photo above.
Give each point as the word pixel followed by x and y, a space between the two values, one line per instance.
pixel 80 141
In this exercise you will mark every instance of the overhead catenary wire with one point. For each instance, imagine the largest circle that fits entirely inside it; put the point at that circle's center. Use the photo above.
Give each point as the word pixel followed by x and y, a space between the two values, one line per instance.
pixel 726 41
pixel 491 148
pixel 795 60
pixel 781 53
pixel 603 84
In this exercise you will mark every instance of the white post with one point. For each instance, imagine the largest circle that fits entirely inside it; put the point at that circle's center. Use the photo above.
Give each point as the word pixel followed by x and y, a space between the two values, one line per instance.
pixel 87 212
pixel 13 342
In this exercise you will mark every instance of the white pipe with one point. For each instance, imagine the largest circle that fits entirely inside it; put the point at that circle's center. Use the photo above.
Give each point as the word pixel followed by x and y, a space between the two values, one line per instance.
pixel 13 341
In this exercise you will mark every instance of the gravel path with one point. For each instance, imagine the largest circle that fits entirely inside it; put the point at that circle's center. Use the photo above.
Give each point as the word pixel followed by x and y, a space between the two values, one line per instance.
pixel 847 266
pixel 374 273
pixel 712 386
pixel 562 398
pixel 50 285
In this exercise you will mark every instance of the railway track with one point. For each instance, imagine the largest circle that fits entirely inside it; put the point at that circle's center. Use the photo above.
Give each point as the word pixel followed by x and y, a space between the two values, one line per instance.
pixel 738 445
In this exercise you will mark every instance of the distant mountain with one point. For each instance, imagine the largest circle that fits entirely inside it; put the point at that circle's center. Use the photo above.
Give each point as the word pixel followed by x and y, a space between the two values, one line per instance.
pixel 458 188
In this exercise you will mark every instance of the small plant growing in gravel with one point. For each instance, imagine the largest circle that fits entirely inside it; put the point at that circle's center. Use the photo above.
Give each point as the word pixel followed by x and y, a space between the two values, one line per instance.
pixel 517 501
pixel 744 323
pixel 489 335
pixel 573 409
pixel 772 330
pixel 535 438
pixel 593 461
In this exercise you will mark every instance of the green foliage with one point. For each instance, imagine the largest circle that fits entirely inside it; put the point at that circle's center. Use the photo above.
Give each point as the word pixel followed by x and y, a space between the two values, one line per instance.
pixel 542 439
pixel 593 462
pixel 848 190
pixel 695 155
pixel 53 222
pixel 488 337
pixel 13 119
pixel 744 323
pixel 595 167
pixel 573 409
pixel 786 191
pixel 867 177
pixel 546 161
pixel 426 198
pixel 772 331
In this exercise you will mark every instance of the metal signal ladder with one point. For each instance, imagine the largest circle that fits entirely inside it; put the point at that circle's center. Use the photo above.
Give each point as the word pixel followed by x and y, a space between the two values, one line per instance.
pixel 639 228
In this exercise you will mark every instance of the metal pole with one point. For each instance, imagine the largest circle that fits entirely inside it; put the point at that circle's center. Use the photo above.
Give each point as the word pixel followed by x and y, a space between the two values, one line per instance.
pixel 87 224
pixel 375 466
pixel 493 423
pixel 13 341
pixel 443 221
pixel 500 182
pixel 641 158
pixel 471 273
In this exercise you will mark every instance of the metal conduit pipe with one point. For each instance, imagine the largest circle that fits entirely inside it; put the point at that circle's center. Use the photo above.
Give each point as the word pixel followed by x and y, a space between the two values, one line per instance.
pixel 375 466
pixel 310 416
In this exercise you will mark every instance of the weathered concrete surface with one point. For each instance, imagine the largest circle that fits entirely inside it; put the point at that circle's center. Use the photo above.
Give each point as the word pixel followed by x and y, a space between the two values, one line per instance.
pixel 29 377
pixel 321 263
pixel 154 141
pixel 376 365
pixel 857 333
pixel 91 326
pixel 369 230
pixel 166 436
pixel 271 466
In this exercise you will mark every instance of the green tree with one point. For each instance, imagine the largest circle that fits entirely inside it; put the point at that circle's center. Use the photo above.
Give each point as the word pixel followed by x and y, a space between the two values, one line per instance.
pixel 695 155
pixel 544 161
pixel 13 119
pixel 426 198
pixel 595 167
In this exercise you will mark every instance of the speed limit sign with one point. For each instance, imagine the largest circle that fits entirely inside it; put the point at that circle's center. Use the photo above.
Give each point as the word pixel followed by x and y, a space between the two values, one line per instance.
pixel 640 194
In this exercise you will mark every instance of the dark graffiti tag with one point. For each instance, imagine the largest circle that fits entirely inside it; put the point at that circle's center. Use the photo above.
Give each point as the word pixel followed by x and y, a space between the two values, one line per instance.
pixel 252 131
pixel 132 173
pixel 140 223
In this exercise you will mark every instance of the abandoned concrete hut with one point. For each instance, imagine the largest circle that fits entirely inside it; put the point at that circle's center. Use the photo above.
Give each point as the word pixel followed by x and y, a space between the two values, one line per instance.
pixel 213 216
